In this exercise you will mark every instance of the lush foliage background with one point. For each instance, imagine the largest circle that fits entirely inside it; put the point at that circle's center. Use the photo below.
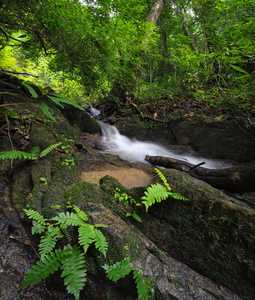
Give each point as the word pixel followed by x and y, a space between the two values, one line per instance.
pixel 87 49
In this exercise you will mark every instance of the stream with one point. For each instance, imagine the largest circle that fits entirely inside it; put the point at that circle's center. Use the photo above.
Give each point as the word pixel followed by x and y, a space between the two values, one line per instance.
pixel 133 150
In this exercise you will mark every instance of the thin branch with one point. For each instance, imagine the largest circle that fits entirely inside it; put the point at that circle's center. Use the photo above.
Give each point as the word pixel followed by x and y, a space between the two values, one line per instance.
pixel 7 38
pixel 9 136
pixel 22 73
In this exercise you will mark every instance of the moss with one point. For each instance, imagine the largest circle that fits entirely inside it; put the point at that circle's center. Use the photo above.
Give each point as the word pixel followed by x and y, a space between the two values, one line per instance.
pixel 63 177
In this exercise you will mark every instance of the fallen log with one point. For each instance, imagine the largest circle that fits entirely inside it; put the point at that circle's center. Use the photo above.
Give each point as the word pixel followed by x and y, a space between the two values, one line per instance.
pixel 238 178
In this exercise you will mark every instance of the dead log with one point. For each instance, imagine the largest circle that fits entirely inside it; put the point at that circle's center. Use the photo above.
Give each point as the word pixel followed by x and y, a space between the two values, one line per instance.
pixel 238 178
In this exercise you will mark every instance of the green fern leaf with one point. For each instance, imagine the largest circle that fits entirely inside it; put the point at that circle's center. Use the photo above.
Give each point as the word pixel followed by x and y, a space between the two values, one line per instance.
pixel 86 236
pixel 49 149
pixel 63 228
pixel 73 269
pixel 155 193
pixel 81 214
pixel 16 154
pixel 49 240
pixel 119 270
pixel 42 269
pixel 100 242
pixel 68 218
pixel 36 216
pixel 178 196
pixel 37 228
pixel 163 178
pixel 142 285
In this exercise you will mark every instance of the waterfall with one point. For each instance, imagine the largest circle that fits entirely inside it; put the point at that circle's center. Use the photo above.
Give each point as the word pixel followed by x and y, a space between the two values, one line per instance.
pixel 133 150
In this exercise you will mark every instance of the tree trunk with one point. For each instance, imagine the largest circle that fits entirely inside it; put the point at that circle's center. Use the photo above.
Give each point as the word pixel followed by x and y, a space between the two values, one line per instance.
pixel 152 17
pixel 239 178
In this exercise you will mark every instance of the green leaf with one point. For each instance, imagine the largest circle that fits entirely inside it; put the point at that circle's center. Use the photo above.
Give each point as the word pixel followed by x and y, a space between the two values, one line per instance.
pixel 100 242
pixel 86 236
pixel 49 240
pixel 73 269
pixel 42 269
pixel 68 218
pixel 119 270
pixel 239 69
pixel 58 99
pixel 31 90
pixel 142 285
pixel 46 110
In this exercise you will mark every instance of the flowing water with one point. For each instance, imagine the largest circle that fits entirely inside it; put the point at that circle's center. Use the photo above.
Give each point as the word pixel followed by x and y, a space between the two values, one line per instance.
pixel 133 150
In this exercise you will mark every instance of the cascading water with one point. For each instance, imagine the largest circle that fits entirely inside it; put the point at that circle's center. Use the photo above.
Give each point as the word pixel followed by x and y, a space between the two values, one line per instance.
pixel 136 151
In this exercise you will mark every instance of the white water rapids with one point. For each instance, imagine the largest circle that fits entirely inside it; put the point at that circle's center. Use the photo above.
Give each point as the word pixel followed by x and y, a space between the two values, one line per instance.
pixel 133 150
pixel 136 151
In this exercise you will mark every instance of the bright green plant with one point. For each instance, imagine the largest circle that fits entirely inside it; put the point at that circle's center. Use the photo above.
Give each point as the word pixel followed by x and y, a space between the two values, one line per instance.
pixel 71 258
pixel 123 268
pixel 158 192
pixel 129 202
pixel 57 99
pixel 33 155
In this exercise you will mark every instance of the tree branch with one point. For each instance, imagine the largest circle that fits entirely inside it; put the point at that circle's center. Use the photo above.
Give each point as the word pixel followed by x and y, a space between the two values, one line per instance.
pixel 22 73
pixel 7 38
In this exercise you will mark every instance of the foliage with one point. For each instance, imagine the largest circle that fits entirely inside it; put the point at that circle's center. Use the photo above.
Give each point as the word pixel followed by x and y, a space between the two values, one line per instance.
pixel 57 99
pixel 129 202
pixel 71 258
pixel 123 268
pixel 158 192
pixel 33 155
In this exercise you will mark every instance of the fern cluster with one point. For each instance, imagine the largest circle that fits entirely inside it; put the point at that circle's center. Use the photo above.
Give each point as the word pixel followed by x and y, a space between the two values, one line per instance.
pixel 71 259
pixel 33 155
pixel 158 192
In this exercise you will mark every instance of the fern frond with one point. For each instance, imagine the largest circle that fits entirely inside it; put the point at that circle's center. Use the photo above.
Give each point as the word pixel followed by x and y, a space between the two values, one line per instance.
pixel 16 154
pixel 178 197
pixel 49 149
pixel 63 228
pixel 42 269
pixel 36 216
pixel 68 218
pixel 86 236
pixel 49 240
pixel 119 270
pixel 73 269
pixel 37 228
pixel 81 214
pixel 163 178
pixel 155 193
pixel 100 242
pixel 142 284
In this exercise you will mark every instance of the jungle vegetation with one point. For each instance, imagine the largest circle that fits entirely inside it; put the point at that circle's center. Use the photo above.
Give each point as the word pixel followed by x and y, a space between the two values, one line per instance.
pixel 142 50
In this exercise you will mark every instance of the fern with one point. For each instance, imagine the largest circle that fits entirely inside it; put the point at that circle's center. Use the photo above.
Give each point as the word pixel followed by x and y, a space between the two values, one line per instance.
pixel 36 216
pixel 155 193
pixel 123 268
pixel 73 269
pixel 100 242
pixel 68 218
pixel 158 192
pixel 16 154
pixel 81 214
pixel 49 149
pixel 43 268
pixel 163 178
pixel 33 155
pixel 49 240
pixel 142 284
pixel 63 228
pixel 71 259
pixel 119 270
pixel 86 236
